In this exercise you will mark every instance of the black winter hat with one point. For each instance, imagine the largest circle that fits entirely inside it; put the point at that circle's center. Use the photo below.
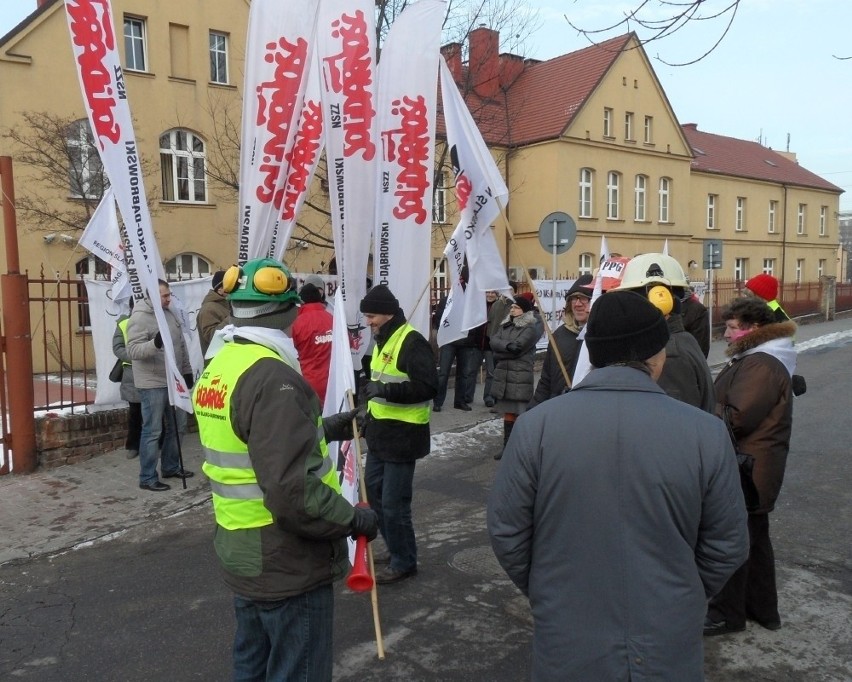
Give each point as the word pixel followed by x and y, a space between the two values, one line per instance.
pixel 310 294
pixel 582 285
pixel 218 278
pixel 380 301
pixel 523 303
pixel 623 327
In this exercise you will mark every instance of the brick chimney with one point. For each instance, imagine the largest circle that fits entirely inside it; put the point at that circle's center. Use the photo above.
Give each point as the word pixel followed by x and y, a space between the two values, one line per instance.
pixel 511 66
pixel 452 52
pixel 42 2
pixel 484 62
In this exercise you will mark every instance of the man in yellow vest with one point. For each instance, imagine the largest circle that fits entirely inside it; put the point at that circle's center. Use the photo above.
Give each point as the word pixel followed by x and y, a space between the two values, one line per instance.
pixel 403 382
pixel 281 522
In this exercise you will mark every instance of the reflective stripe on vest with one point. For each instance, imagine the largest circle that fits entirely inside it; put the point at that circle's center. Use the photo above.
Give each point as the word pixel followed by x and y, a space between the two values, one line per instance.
pixel 123 327
pixel 383 368
pixel 237 497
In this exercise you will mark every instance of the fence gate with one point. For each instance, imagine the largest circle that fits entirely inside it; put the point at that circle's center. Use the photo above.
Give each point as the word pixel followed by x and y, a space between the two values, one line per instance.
pixel 4 455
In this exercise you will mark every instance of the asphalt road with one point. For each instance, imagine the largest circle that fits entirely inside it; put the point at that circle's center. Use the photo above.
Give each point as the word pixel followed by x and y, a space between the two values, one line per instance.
pixel 149 604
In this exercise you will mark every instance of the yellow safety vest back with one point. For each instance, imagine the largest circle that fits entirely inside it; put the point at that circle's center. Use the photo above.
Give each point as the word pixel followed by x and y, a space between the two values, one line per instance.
pixel 383 369
pixel 123 327
pixel 237 498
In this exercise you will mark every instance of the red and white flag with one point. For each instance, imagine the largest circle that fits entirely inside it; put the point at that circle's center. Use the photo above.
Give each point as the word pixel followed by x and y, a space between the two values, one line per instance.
pixel 93 41
pixel 346 46
pixel 480 190
pixel 278 54
pixel 407 99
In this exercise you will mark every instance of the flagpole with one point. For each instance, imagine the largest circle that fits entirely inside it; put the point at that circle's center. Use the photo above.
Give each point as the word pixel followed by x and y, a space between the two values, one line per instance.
pixel 551 340
pixel 362 485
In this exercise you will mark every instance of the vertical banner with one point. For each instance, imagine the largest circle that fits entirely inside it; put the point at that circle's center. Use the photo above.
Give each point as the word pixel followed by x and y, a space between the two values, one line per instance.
pixel 479 188
pixel 407 99
pixel 103 238
pixel 278 53
pixel 104 91
pixel 346 46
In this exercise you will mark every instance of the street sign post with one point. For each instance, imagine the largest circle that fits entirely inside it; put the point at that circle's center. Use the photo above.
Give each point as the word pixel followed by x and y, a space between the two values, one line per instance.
pixel 712 261
pixel 556 234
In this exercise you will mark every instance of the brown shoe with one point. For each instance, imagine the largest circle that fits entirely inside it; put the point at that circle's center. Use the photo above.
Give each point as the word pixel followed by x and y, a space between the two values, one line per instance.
pixel 387 575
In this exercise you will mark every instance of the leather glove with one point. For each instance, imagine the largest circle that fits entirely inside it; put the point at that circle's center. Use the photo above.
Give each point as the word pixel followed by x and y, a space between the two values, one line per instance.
pixel 189 381
pixel 364 522
pixel 374 389
pixel 339 426
pixel 158 340
pixel 513 347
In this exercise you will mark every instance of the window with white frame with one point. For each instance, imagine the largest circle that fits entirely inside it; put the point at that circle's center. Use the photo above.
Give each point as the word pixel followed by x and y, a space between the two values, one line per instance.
pixel 586 263
pixel 439 199
pixel 86 176
pixel 741 269
pixel 639 195
pixel 628 126
pixel 800 268
pixel 821 268
pixel 773 212
pixel 218 57
pixel 607 122
pixel 182 167
pixel 801 217
pixel 649 130
pixel 740 220
pixel 586 177
pixel 665 195
pixel 135 52
pixel 187 266
pixel 440 279
pixel 711 211
pixel 823 217
pixel 613 180
pixel 768 266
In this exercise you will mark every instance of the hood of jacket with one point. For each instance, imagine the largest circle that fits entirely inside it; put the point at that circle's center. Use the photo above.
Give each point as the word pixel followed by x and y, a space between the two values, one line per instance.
pixel 774 339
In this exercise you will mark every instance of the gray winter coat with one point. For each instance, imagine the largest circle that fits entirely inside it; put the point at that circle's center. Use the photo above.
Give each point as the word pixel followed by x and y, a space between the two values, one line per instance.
pixel 149 362
pixel 513 370
pixel 127 389
pixel 617 510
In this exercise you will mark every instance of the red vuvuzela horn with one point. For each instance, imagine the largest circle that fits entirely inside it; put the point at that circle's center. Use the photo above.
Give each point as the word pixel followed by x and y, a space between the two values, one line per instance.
pixel 359 579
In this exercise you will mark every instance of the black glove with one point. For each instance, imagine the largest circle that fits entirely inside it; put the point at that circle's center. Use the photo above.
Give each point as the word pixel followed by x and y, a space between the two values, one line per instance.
pixel 513 347
pixel 374 389
pixel 365 522
pixel 190 382
pixel 158 340
pixel 339 426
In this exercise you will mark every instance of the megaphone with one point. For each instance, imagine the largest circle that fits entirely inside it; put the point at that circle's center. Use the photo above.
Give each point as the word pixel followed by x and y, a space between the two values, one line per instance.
pixel 359 579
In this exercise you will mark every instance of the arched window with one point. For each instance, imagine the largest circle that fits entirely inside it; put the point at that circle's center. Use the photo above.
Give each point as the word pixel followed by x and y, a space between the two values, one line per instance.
pixel 586 261
pixel 187 266
pixel 586 178
pixel 182 167
pixel 86 177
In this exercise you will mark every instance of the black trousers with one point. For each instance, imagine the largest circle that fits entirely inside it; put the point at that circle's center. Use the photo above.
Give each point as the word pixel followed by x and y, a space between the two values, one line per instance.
pixel 751 591
pixel 134 426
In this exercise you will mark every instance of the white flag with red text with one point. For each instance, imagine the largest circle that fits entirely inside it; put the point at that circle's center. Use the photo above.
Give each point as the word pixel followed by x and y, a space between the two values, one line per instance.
pixel 278 53
pixel 346 46
pixel 480 190
pixel 407 100
pixel 102 238
pixel 95 48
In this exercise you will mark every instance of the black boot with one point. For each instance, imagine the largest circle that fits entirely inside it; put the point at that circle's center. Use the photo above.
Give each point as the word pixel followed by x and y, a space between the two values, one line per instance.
pixel 507 431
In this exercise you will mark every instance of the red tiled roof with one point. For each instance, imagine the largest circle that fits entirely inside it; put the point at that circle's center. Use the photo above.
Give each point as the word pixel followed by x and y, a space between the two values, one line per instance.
pixel 744 159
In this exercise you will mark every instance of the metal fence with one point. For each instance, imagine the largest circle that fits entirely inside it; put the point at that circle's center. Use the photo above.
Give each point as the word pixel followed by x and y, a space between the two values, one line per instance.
pixel 59 316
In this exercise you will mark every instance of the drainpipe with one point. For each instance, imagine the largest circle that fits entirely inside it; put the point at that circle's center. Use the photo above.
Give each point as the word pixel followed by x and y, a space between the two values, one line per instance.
pixel 784 241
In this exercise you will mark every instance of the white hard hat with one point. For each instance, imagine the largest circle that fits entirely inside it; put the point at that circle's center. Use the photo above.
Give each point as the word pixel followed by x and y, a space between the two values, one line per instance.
pixel 649 268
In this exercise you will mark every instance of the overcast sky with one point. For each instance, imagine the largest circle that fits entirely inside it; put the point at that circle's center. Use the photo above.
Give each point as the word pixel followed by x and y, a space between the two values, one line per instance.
pixel 774 73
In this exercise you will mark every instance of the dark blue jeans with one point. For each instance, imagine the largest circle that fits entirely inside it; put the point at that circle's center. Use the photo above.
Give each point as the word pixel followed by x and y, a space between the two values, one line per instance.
pixel 285 640
pixel 156 412
pixel 465 357
pixel 489 374
pixel 389 490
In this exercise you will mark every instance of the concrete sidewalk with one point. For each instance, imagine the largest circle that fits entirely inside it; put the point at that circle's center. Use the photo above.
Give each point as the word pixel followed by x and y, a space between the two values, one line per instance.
pixel 53 510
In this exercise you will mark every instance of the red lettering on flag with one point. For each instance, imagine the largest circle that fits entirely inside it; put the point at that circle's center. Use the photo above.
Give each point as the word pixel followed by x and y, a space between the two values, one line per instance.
pixel 302 157
pixel 408 145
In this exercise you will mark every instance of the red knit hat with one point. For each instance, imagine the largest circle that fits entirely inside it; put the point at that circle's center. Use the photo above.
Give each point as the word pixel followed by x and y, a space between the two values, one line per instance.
pixel 763 285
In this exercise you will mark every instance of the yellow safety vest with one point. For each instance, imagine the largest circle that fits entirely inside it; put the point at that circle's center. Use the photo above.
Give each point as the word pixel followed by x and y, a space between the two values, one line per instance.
pixel 123 327
pixel 383 369
pixel 237 498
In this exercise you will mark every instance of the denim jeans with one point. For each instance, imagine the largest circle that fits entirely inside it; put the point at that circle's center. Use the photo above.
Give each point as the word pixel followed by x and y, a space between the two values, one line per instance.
pixel 489 374
pixel 156 412
pixel 285 640
pixel 466 367
pixel 389 491
pixel 474 364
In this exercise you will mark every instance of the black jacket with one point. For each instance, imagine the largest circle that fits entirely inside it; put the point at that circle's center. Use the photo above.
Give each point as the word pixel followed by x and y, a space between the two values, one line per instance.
pixel 392 440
